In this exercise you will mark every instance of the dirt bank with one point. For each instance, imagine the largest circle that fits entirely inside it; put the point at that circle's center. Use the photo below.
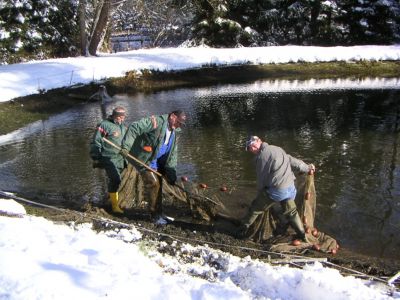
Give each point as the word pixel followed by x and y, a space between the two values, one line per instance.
pixel 190 231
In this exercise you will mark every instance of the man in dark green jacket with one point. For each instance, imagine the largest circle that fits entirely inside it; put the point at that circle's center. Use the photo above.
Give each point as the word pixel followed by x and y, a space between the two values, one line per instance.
pixel 106 156
pixel 153 140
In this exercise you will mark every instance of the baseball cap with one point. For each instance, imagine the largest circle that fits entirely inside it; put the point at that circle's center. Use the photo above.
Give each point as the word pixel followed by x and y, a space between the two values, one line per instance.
pixel 252 139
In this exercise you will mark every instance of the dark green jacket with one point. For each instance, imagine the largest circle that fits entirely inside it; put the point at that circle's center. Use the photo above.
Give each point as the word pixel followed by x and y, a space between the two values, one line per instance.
pixel 150 132
pixel 100 150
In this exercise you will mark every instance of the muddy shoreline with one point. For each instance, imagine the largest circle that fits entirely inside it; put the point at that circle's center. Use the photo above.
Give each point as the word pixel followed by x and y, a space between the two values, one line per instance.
pixel 199 233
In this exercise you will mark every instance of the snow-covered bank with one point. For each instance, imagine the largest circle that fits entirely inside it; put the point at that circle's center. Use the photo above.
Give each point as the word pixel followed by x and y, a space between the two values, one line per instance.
pixel 43 260
pixel 23 79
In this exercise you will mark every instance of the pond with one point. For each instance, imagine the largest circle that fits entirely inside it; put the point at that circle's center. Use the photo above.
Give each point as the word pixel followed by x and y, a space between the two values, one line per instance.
pixel 349 131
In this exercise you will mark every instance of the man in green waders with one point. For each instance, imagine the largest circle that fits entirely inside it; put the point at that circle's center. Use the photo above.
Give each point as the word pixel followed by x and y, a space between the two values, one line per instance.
pixel 153 140
pixel 106 156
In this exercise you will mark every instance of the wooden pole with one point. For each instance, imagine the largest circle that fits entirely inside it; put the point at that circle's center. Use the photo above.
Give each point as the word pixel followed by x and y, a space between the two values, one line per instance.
pixel 133 158
pixel 157 173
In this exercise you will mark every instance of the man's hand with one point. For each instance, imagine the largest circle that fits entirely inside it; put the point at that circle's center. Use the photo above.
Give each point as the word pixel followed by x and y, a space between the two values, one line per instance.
pixel 124 152
pixel 95 154
pixel 170 175
pixel 95 158
pixel 171 180
pixel 97 164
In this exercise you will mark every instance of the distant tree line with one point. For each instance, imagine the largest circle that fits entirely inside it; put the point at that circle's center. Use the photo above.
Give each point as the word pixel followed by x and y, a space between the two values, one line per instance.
pixel 37 29
pixel 299 22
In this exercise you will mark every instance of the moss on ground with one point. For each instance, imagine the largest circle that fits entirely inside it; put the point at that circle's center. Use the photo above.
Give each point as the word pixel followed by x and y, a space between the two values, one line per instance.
pixel 22 111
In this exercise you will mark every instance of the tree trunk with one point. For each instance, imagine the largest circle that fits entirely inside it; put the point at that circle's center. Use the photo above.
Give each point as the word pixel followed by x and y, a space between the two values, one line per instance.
pixel 82 27
pixel 315 11
pixel 99 26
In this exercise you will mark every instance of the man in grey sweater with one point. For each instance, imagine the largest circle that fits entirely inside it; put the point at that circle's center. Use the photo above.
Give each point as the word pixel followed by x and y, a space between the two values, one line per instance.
pixel 275 186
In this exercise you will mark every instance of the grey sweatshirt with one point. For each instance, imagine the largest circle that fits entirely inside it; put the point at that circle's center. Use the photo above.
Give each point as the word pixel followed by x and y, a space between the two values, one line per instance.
pixel 274 167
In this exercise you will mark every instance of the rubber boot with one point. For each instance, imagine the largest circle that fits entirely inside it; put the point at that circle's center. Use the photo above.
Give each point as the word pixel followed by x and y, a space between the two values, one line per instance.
pixel 282 223
pixel 114 203
pixel 297 225
pixel 282 226
pixel 246 222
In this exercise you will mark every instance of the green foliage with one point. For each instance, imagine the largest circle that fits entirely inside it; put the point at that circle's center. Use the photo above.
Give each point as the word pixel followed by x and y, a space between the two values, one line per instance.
pixel 301 22
pixel 36 29
pixel 372 21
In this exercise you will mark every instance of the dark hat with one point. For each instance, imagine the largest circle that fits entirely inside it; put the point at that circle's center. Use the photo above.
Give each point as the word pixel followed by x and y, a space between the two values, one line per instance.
pixel 118 112
pixel 181 116
pixel 252 139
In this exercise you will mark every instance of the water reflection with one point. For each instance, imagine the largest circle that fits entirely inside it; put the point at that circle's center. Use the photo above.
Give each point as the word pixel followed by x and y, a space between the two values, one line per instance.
pixel 351 136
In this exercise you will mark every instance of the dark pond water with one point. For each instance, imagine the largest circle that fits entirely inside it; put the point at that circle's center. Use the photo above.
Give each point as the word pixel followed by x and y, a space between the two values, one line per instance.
pixel 351 135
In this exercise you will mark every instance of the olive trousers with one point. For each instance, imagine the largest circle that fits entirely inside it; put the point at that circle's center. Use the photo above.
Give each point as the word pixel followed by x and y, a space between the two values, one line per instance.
pixel 152 192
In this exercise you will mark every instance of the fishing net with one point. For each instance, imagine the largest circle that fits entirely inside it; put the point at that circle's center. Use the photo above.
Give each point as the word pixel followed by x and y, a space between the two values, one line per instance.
pixel 266 224
pixel 201 203
pixel 306 200
pixel 208 205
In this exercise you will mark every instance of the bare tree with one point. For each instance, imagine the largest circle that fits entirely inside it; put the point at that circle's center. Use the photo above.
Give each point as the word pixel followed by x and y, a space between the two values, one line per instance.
pixel 82 27
pixel 99 25
pixel 166 22
pixel 95 15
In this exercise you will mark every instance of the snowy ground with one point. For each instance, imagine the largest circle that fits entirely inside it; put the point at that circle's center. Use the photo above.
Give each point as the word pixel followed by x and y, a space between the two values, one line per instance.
pixel 43 260
pixel 29 78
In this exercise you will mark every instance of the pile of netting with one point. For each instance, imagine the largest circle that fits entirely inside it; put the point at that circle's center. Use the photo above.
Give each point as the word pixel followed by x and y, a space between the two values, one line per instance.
pixel 200 201
pixel 262 230
pixel 208 205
